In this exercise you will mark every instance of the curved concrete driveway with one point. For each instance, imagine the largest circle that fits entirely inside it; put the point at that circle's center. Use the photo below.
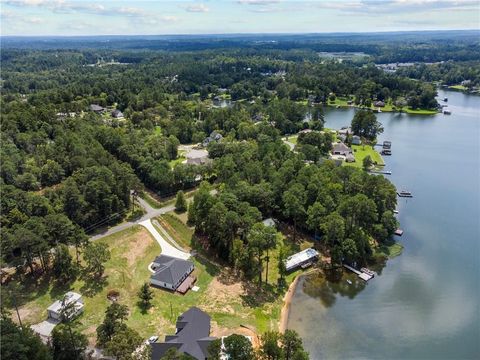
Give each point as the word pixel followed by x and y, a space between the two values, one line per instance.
pixel 167 249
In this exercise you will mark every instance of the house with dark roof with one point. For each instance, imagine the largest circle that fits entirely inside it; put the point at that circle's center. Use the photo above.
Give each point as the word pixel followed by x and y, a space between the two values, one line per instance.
pixel 192 336
pixel 172 273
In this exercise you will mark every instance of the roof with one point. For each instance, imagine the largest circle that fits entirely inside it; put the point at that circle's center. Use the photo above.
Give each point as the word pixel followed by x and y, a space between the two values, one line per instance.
pixel 341 148
pixel 192 336
pixel 170 269
pixel 197 154
pixel 269 222
pixel 69 297
pixel 117 113
pixel 299 258
pixel 95 107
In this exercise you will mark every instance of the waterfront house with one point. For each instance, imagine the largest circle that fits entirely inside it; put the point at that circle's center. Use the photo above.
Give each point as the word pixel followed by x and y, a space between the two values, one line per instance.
pixel 192 336
pixel 172 273
pixel 70 306
pixel 301 259
pixel 379 104
pixel 341 149
pixel 214 136
pixel 356 140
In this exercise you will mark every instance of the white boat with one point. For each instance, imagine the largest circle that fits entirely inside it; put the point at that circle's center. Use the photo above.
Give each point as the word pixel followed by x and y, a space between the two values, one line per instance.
pixel 349 282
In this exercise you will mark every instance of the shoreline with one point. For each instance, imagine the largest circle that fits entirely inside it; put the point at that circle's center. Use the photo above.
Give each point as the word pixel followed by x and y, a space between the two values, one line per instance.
pixel 287 300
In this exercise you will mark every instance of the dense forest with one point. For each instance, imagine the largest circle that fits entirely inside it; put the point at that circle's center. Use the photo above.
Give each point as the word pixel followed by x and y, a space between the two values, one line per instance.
pixel 66 165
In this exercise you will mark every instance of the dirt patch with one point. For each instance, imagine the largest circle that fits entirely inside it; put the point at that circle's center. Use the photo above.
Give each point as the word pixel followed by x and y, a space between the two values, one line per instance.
pixel 138 245
pixel 217 331
pixel 222 293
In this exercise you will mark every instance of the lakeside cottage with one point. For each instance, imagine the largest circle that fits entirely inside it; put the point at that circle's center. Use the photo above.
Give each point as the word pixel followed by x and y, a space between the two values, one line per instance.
pixel 192 336
pixel 301 259
pixel 172 273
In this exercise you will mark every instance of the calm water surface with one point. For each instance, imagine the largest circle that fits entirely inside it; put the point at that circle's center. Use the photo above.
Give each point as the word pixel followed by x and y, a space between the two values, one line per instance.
pixel 425 303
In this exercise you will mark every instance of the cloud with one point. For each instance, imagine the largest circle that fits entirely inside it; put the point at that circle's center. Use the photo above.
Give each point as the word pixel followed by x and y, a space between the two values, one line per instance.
pixel 131 11
pixel 397 6
pixel 198 8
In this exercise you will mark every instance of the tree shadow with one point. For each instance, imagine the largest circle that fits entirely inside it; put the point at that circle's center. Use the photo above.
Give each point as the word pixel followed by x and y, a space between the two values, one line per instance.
pixel 92 285
pixel 143 307
pixel 211 268
pixel 258 295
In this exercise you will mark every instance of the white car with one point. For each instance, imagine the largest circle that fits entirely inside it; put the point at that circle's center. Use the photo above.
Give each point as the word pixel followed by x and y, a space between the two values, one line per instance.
pixel 152 339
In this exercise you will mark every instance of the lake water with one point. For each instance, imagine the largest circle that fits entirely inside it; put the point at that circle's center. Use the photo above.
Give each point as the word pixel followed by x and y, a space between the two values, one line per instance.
pixel 425 302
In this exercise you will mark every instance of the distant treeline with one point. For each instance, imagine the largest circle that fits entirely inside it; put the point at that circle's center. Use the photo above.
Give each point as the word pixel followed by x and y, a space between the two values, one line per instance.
pixel 427 46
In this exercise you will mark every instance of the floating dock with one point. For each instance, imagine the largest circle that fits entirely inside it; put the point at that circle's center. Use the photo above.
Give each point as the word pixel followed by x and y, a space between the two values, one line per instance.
pixel 383 172
pixel 405 194
pixel 361 274
pixel 399 232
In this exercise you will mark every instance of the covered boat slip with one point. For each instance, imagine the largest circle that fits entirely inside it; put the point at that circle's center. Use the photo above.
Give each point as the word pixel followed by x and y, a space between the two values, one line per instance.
pixel 301 258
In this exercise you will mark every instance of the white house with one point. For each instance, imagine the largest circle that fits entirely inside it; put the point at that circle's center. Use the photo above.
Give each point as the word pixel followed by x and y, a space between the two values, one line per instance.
pixel 55 310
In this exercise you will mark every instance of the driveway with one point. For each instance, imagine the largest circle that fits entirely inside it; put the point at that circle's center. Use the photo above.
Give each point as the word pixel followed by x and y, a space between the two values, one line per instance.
pixel 167 249
pixel 44 329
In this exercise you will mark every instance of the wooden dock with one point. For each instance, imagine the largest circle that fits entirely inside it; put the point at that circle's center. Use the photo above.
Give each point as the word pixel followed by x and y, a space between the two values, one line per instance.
pixel 362 275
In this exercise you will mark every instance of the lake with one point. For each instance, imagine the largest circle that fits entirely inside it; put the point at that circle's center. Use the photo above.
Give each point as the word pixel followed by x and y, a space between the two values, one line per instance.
pixel 425 303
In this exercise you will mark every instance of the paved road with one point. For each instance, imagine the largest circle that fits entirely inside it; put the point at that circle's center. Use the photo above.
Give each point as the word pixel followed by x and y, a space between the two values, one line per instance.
pixel 150 212
pixel 167 248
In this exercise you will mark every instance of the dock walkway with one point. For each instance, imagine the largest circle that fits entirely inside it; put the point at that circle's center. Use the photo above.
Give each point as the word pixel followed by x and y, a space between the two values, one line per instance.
pixel 362 275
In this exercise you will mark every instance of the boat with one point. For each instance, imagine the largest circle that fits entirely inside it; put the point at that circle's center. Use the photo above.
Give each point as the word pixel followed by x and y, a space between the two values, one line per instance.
pixel 447 112
pixel 395 211
pixel 399 232
pixel 445 99
pixel 349 282
pixel 386 152
pixel 404 193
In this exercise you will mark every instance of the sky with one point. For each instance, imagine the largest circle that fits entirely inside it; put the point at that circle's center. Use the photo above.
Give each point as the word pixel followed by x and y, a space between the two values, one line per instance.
pixel 130 17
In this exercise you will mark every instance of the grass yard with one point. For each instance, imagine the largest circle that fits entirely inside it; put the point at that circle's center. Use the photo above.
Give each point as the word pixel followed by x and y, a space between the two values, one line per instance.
pixel 360 152
pixel 420 111
pixel 390 250
pixel 458 87
pixel 232 303
pixel 292 139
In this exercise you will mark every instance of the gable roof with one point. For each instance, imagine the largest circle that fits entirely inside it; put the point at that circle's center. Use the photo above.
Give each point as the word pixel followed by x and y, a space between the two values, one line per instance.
pixel 341 148
pixel 170 269
pixel 95 107
pixel 192 337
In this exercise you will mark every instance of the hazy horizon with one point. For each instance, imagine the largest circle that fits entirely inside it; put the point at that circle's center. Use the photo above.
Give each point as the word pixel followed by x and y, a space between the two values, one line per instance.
pixel 209 17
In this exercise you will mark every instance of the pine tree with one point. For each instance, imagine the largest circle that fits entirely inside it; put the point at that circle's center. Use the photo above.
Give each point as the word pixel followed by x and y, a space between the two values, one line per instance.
pixel 146 295
pixel 181 203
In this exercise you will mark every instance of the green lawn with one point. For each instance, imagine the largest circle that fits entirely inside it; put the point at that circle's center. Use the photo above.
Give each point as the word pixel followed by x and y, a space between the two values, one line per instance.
pixel 292 139
pixel 458 87
pixel 360 152
pixel 391 249
pixel 421 111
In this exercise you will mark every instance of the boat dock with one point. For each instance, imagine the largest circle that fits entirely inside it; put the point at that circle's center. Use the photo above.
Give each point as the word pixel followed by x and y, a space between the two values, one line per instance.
pixel 365 276
pixel 399 232
pixel 383 172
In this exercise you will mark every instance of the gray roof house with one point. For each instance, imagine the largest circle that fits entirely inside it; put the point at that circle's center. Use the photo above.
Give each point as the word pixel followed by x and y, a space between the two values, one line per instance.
pixel 117 114
pixel 172 273
pixel 214 136
pixel 191 337
pixel 198 157
pixel 341 149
